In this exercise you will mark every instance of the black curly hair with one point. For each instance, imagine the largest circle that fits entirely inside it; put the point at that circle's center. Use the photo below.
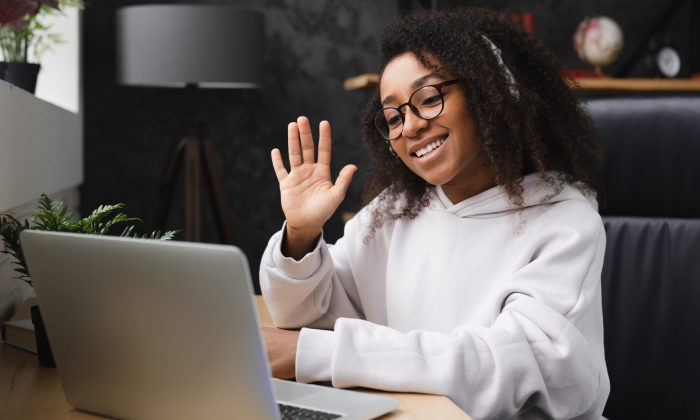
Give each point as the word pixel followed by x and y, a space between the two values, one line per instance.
pixel 541 128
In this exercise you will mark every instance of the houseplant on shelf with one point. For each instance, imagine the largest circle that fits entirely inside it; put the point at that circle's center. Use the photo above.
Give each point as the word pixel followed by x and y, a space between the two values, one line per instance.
pixel 24 31
pixel 50 215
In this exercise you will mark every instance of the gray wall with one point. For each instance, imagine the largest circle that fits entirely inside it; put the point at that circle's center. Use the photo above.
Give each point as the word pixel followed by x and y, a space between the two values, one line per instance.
pixel 312 46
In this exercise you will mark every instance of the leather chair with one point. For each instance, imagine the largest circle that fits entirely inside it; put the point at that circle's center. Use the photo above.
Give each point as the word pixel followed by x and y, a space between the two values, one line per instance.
pixel 651 272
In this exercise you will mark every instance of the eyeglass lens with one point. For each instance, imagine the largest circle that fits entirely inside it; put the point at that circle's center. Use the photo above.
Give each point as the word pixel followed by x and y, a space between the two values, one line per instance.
pixel 425 102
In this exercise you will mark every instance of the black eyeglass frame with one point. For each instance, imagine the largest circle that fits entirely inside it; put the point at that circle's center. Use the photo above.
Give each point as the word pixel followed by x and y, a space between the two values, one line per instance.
pixel 437 86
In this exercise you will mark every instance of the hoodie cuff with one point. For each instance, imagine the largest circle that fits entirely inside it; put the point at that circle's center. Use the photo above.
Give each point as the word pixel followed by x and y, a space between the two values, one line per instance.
pixel 314 355
pixel 298 270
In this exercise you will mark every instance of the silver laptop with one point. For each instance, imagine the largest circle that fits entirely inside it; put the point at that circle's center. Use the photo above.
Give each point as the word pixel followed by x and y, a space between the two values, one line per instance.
pixel 144 329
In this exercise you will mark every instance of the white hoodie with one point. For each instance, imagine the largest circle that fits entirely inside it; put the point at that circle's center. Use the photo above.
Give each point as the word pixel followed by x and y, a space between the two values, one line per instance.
pixel 499 310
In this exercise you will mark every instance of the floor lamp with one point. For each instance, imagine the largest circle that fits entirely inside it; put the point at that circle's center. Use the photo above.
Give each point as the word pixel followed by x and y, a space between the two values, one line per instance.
pixel 186 46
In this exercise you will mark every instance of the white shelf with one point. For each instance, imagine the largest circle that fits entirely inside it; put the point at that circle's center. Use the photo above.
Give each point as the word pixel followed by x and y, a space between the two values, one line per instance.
pixel 41 148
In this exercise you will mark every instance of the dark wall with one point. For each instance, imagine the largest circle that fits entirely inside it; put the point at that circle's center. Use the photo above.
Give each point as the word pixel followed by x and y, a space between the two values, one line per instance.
pixel 312 46
pixel 646 24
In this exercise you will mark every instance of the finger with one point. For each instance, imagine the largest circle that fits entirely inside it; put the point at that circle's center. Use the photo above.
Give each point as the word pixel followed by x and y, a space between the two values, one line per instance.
pixel 278 164
pixel 293 147
pixel 307 140
pixel 343 181
pixel 324 143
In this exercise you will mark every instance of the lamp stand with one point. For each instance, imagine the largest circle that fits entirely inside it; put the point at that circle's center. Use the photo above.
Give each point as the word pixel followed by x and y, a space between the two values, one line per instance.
pixel 194 153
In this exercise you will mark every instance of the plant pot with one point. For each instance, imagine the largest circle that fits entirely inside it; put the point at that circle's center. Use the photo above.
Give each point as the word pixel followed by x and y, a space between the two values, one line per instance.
pixel 43 348
pixel 22 75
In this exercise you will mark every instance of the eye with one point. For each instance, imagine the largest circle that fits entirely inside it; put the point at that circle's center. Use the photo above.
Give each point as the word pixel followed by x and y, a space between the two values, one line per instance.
pixel 394 120
pixel 392 117
pixel 430 101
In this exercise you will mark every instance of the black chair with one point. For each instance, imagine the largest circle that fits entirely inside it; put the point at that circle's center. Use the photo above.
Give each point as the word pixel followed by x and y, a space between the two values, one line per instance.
pixel 651 273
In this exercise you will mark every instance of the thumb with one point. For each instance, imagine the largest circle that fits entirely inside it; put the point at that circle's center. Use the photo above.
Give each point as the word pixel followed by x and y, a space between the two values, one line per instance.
pixel 343 181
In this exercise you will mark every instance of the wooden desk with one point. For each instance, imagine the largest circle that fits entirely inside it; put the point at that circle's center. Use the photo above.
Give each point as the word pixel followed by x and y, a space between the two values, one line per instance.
pixel 28 391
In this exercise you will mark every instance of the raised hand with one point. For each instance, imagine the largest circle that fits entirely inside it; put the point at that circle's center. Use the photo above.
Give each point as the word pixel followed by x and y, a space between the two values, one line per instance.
pixel 308 195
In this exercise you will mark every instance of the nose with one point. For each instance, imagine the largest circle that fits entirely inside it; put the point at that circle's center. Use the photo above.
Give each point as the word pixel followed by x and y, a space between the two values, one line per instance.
pixel 412 124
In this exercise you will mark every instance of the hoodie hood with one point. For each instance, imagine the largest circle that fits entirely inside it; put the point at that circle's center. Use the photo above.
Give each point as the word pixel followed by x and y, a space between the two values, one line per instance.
pixel 494 202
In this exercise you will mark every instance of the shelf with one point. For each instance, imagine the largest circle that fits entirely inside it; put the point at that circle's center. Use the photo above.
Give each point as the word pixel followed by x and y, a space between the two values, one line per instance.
pixel 41 148
pixel 612 85
pixel 361 81
pixel 587 85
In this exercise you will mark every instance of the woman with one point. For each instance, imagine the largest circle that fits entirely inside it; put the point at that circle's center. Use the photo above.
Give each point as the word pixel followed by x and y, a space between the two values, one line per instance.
pixel 474 272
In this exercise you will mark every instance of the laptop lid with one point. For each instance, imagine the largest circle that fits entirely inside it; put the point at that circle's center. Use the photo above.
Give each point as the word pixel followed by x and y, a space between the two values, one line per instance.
pixel 126 318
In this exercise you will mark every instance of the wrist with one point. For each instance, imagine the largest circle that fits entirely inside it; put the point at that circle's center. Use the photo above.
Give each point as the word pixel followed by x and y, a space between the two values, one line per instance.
pixel 303 234
pixel 296 243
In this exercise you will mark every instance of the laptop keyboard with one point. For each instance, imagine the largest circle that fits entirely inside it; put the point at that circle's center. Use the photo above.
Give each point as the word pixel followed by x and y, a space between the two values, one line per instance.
pixel 290 412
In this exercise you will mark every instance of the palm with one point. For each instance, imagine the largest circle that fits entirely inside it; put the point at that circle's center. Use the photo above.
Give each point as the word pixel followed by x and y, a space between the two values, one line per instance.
pixel 308 195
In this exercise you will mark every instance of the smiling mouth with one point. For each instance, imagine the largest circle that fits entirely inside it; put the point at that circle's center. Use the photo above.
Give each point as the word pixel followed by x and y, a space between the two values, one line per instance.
pixel 429 148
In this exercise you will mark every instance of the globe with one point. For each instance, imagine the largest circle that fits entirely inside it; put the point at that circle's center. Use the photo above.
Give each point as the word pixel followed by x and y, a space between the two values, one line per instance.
pixel 598 41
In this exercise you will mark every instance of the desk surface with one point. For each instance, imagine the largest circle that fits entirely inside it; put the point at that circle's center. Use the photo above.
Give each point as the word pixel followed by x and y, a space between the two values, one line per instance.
pixel 28 391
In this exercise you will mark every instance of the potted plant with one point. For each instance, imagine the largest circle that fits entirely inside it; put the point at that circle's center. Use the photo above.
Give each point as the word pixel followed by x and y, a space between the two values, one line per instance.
pixel 50 215
pixel 23 29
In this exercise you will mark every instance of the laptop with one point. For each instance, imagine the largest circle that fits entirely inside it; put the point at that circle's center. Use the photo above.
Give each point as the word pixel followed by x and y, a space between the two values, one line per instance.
pixel 145 329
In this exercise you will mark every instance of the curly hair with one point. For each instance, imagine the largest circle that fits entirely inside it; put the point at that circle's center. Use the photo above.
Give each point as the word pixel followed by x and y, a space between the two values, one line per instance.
pixel 542 128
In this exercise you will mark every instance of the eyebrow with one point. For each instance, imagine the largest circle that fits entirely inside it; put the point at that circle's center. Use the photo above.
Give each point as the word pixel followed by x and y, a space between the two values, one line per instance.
pixel 415 85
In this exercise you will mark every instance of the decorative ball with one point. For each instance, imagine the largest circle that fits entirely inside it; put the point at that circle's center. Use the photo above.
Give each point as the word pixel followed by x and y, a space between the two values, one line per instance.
pixel 598 40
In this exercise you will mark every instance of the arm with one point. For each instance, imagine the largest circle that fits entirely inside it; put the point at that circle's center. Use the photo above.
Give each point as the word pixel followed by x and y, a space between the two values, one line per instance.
pixel 292 276
pixel 308 198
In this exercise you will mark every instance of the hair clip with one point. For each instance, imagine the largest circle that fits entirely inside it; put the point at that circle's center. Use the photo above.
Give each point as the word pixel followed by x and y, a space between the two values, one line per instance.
pixel 504 69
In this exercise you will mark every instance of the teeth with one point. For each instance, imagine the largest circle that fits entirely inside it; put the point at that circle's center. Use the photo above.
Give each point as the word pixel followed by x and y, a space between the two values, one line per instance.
pixel 429 148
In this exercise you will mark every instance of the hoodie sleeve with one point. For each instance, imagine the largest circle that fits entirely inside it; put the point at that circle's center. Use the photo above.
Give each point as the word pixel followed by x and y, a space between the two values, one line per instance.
pixel 311 292
pixel 542 357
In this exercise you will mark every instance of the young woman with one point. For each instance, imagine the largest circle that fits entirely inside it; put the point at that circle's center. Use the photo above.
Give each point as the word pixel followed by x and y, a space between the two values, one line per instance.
pixel 474 271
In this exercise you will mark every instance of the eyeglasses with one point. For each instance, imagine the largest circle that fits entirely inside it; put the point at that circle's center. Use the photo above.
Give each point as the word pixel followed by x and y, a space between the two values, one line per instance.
pixel 426 103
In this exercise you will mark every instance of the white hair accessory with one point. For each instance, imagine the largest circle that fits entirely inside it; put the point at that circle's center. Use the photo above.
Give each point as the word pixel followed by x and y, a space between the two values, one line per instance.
pixel 504 69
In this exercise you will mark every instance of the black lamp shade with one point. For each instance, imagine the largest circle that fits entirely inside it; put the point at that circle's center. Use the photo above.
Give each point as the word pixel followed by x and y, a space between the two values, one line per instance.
pixel 172 45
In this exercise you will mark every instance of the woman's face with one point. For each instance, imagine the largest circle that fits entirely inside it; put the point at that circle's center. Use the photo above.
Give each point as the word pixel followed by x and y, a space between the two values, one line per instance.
pixel 455 163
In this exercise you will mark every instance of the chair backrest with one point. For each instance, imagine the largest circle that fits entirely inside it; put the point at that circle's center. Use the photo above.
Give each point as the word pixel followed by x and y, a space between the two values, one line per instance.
pixel 651 273
pixel 651 151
